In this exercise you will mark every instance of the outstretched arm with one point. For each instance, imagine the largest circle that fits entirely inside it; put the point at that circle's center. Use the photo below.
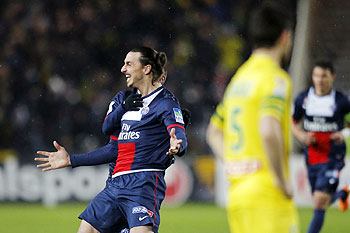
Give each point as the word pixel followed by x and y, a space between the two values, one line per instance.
pixel 61 158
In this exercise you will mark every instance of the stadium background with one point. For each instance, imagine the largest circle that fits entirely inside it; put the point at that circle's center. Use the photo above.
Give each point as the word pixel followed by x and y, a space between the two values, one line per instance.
pixel 60 66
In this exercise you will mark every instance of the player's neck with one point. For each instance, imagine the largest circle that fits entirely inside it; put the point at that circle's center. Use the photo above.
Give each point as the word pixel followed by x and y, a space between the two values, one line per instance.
pixel 148 88
pixel 320 92
pixel 273 53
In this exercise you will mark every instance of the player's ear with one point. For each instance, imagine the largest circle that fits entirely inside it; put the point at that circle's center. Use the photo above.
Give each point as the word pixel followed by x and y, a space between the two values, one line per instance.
pixel 334 76
pixel 147 69
pixel 283 38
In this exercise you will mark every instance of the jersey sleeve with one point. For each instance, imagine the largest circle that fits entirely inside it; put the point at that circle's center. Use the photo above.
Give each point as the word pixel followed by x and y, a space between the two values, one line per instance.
pixel 275 98
pixel 114 115
pixel 298 111
pixel 347 104
pixel 171 116
pixel 217 119
pixel 99 156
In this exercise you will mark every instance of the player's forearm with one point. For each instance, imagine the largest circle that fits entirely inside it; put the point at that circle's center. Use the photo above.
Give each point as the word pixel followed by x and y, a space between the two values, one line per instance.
pixel 102 155
pixel 215 140
pixel 113 121
pixel 297 132
pixel 272 139
pixel 181 134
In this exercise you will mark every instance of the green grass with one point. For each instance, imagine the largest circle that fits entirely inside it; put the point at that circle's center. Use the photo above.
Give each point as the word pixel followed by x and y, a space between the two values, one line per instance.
pixel 189 218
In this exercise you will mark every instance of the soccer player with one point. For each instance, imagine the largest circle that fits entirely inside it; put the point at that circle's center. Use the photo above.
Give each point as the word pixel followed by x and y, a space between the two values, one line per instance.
pixel 249 130
pixel 323 110
pixel 141 122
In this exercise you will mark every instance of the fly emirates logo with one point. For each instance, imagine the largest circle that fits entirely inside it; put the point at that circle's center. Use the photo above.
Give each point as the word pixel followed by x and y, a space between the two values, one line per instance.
pixel 126 134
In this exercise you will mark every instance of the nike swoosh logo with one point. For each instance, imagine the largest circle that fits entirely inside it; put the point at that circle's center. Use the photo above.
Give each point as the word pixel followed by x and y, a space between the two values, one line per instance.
pixel 142 218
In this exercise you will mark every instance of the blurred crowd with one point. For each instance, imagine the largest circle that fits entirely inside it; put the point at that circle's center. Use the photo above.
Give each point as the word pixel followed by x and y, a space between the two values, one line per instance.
pixel 60 64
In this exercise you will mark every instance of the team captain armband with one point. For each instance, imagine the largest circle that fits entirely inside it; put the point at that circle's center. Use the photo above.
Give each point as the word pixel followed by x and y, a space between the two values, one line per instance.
pixel 273 106
pixel 274 103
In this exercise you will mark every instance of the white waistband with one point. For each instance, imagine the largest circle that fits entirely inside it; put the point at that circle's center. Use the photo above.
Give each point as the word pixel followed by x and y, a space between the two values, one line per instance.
pixel 134 171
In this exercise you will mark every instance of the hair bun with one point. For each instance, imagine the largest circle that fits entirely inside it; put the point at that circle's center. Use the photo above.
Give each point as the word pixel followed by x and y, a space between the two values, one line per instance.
pixel 161 59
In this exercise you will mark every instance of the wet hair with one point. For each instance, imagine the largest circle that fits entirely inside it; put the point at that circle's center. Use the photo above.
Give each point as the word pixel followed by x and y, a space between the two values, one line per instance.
pixel 267 23
pixel 325 64
pixel 156 59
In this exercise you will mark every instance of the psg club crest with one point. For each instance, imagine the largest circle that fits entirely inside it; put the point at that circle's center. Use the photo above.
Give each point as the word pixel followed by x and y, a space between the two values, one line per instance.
pixel 144 110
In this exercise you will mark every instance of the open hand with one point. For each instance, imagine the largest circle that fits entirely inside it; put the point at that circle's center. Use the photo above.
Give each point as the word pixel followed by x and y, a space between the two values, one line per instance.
pixel 174 143
pixel 54 160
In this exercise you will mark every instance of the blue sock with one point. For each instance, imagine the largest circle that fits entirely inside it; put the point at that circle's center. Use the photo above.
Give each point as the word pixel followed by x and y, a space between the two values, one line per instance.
pixel 340 194
pixel 317 221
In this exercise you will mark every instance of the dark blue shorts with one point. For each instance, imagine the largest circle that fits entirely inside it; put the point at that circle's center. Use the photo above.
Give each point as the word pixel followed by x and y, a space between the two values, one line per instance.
pixel 127 201
pixel 323 177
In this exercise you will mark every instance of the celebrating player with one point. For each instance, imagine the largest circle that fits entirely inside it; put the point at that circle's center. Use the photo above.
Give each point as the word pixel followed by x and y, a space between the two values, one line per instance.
pixel 141 122
pixel 250 130
pixel 323 109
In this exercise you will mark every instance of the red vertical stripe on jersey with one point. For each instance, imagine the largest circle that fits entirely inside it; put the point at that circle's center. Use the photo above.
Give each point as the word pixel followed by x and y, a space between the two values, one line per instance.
pixel 319 152
pixel 126 154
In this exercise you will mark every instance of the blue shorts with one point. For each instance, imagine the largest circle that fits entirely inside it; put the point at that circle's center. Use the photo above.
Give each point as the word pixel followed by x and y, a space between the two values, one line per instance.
pixel 324 177
pixel 127 201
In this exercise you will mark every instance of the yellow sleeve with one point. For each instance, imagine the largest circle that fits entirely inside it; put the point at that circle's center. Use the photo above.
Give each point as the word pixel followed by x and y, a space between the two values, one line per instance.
pixel 274 98
pixel 217 118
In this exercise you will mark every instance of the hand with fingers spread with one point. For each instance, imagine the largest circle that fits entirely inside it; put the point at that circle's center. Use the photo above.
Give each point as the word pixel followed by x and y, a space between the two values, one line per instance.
pixel 54 160
pixel 174 143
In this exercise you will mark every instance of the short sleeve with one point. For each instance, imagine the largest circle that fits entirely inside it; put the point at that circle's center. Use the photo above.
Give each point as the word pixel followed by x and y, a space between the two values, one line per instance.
pixel 298 111
pixel 274 99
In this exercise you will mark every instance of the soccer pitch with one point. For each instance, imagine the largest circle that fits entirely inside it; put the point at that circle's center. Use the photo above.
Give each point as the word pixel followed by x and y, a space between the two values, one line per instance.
pixel 189 218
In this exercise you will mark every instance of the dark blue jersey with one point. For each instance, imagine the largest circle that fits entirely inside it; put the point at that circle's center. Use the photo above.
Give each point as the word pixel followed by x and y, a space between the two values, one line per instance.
pixel 322 115
pixel 144 135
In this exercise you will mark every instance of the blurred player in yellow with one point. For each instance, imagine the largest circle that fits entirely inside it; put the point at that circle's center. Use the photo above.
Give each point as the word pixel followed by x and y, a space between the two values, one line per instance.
pixel 250 130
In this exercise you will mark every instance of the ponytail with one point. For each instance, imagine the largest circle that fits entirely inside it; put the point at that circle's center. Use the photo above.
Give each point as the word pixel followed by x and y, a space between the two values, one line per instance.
pixel 157 60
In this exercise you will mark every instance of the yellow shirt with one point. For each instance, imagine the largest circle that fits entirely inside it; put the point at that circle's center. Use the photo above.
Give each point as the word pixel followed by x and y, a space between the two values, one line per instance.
pixel 259 88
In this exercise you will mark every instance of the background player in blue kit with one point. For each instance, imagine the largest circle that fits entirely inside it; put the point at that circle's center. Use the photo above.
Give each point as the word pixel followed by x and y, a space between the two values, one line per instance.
pixel 137 189
pixel 323 109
